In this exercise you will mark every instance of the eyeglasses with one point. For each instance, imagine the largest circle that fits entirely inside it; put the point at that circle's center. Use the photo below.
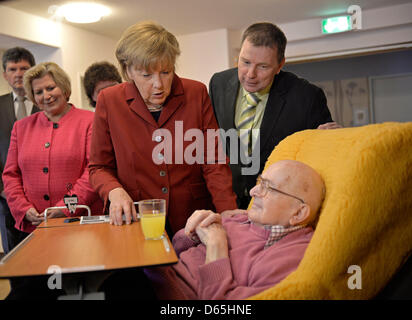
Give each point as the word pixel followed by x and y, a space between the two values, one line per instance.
pixel 264 187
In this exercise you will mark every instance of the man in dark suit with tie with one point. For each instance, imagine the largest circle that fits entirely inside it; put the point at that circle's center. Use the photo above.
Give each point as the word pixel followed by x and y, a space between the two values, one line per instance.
pixel 283 104
pixel 13 106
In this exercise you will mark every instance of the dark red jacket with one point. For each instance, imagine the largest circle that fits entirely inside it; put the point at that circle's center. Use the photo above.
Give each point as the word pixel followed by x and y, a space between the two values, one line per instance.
pixel 125 150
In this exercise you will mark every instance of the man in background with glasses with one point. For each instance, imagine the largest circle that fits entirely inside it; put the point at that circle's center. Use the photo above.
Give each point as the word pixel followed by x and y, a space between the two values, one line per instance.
pixel 245 252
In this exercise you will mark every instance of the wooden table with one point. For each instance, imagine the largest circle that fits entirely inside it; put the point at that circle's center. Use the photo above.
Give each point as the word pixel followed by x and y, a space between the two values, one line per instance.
pixel 83 248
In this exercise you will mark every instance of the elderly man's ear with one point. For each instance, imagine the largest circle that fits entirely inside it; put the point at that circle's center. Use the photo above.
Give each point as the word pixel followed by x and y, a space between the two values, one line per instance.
pixel 301 216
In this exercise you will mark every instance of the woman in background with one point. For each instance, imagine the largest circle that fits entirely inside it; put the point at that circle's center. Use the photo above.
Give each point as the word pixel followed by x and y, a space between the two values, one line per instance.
pixel 99 76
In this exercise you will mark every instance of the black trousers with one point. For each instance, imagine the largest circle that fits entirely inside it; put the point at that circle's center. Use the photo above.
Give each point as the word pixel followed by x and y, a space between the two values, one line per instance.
pixel 10 236
pixel 128 284
pixel 32 288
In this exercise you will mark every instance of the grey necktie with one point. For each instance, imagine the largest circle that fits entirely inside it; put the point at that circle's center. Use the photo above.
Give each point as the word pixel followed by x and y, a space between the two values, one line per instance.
pixel 21 109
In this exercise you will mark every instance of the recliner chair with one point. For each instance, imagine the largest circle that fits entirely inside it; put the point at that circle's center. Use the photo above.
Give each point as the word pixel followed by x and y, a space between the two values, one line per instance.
pixel 364 233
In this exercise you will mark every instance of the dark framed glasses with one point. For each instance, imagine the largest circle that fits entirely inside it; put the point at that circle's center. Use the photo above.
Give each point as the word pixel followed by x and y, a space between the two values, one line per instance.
pixel 264 187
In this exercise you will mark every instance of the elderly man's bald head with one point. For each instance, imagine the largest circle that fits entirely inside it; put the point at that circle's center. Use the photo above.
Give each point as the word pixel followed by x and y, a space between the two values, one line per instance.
pixel 296 180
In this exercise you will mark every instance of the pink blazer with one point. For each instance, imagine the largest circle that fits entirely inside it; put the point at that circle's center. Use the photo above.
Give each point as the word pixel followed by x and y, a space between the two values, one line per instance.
pixel 124 142
pixel 43 159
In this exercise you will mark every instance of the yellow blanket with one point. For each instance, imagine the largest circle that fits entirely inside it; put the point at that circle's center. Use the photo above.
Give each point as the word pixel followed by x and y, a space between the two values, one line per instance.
pixel 364 231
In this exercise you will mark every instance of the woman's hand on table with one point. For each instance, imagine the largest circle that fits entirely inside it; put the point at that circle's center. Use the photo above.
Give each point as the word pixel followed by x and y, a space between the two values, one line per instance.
pixel 34 217
pixel 120 202
pixel 55 213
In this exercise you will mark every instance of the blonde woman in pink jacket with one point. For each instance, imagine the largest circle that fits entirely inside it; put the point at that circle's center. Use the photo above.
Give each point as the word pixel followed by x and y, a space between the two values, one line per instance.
pixel 49 152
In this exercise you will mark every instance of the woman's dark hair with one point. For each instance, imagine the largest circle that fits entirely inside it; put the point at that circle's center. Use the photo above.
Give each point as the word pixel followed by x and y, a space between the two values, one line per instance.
pixel 99 71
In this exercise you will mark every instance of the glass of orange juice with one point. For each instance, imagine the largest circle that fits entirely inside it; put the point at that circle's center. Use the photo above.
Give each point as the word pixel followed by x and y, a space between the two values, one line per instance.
pixel 152 218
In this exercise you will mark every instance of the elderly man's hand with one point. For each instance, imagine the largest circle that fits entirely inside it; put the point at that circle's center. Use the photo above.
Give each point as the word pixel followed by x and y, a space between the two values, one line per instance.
pixel 231 213
pixel 214 238
pixel 211 233
pixel 329 125
pixel 198 217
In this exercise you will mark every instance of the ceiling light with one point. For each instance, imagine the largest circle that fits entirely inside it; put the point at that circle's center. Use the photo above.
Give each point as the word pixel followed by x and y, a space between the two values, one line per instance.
pixel 83 12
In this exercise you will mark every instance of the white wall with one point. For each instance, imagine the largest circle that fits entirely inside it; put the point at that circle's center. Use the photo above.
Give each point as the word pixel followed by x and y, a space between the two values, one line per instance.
pixel 29 27
pixel 4 86
pixel 382 28
pixel 235 36
pixel 203 54
pixel 79 50
pixel 72 48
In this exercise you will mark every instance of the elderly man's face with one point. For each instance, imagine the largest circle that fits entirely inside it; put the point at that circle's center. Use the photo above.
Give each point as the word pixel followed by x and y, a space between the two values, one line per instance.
pixel 257 66
pixel 275 208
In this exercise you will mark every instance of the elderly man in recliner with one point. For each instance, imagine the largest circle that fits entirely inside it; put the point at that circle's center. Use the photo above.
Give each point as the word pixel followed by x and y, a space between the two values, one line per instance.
pixel 241 253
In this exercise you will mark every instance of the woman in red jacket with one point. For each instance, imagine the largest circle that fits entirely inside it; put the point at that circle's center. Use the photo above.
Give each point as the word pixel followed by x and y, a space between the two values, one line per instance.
pixel 144 130
pixel 49 152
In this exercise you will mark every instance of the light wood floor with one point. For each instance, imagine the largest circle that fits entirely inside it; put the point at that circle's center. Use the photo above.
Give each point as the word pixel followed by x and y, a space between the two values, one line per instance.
pixel 4 289
pixel 4 284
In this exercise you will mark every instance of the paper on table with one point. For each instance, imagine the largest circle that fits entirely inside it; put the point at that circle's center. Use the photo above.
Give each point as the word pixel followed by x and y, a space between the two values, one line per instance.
pixel 94 219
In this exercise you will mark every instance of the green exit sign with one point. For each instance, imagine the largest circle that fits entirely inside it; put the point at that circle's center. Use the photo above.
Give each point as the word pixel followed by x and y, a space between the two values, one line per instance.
pixel 336 24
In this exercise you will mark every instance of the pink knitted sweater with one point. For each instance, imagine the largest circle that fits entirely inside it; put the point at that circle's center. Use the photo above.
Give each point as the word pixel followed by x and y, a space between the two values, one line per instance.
pixel 249 270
